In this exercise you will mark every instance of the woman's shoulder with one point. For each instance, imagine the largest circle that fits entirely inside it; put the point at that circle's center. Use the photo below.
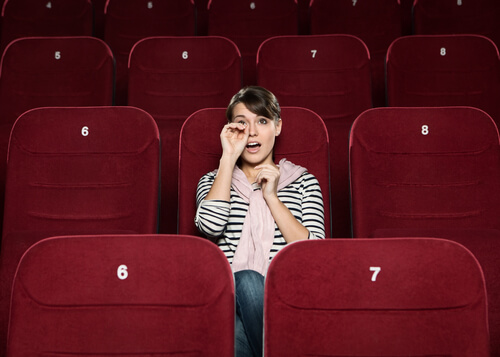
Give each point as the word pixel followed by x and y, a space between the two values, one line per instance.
pixel 209 176
pixel 308 178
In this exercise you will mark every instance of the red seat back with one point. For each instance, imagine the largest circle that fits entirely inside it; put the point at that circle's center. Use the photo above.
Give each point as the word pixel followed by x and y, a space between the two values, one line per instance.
pixel 128 21
pixel 376 23
pixel 424 167
pixel 457 16
pixel 54 71
pixel 123 295
pixel 384 297
pixel 444 70
pixel 26 18
pixel 248 24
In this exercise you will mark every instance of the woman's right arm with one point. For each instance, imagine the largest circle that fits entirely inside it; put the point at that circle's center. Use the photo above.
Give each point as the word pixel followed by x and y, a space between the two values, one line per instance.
pixel 214 193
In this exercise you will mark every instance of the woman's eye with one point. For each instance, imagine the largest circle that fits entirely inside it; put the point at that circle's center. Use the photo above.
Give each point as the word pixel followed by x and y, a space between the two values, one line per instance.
pixel 243 122
pixel 263 121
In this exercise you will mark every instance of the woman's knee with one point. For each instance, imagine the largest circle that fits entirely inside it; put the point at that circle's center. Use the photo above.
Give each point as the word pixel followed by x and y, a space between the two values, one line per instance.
pixel 249 280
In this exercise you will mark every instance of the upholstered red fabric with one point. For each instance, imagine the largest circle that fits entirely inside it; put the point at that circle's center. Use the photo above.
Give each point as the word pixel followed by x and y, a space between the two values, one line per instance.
pixel 140 295
pixel 383 297
pixel 432 168
pixel 329 74
pixel 54 71
pixel 444 70
pixel 128 21
pixel 303 141
pixel 457 16
pixel 444 184
pixel 171 78
pixel 376 23
pixel 249 23
pixel 485 245
pixel 84 170
pixel 51 71
pixel 25 18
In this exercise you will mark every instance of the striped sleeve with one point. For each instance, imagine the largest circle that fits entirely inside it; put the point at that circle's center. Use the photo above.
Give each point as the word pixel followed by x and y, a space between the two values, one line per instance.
pixel 313 208
pixel 212 215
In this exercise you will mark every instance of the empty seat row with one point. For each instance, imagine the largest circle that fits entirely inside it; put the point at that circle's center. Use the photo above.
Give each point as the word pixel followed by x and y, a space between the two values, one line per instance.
pixel 123 23
pixel 144 294
pixel 477 15
pixel 462 62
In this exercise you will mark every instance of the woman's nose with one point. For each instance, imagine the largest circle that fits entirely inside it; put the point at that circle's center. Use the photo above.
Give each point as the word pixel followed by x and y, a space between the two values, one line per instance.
pixel 252 130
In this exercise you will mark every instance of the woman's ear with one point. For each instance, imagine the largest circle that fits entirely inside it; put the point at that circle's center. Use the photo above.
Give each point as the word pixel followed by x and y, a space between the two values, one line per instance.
pixel 278 128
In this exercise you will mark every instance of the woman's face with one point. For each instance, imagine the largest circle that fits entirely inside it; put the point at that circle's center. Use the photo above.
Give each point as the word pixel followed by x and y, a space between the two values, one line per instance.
pixel 262 134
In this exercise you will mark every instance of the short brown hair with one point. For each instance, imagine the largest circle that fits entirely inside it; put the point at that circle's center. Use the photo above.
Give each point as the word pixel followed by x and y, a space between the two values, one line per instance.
pixel 258 100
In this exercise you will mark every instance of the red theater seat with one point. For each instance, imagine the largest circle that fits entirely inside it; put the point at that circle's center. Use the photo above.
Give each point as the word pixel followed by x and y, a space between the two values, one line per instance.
pixel 85 170
pixel 485 245
pixel 432 168
pixel 249 23
pixel 377 23
pixel 138 295
pixel 385 297
pixel 303 141
pixel 171 78
pixel 444 70
pixel 480 17
pixel 54 71
pixel 128 21
pixel 26 18
pixel 329 74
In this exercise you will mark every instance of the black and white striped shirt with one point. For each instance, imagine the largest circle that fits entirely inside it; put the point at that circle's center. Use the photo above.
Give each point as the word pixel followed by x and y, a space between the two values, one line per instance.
pixel 223 221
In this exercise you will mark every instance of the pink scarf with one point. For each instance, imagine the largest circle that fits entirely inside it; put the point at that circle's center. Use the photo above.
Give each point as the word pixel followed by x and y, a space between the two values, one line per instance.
pixel 257 235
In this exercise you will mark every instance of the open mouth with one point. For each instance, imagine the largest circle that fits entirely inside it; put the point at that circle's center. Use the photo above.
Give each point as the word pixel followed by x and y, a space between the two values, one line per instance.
pixel 253 145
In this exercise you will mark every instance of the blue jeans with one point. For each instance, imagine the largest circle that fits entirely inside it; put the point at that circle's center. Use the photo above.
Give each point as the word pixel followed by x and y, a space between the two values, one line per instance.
pixel 249 292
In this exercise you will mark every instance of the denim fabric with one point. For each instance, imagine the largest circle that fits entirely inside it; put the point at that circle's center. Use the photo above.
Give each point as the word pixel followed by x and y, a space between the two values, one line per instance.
pixel 249 291
pixel 241 345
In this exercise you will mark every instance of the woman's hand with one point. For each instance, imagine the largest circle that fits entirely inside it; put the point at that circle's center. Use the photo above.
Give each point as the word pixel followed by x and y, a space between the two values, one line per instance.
pixel 234 139
pixel 268 178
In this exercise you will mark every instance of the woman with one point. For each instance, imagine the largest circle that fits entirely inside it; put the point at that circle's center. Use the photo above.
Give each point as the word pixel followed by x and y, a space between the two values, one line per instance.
pixel 253 207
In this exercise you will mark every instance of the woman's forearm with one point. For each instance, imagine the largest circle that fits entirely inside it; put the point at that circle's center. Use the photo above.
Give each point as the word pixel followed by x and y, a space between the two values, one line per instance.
pixel 221 188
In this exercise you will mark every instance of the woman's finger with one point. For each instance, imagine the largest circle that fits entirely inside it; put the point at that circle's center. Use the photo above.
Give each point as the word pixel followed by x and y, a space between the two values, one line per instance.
pixel 234 126
pixel 267 173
